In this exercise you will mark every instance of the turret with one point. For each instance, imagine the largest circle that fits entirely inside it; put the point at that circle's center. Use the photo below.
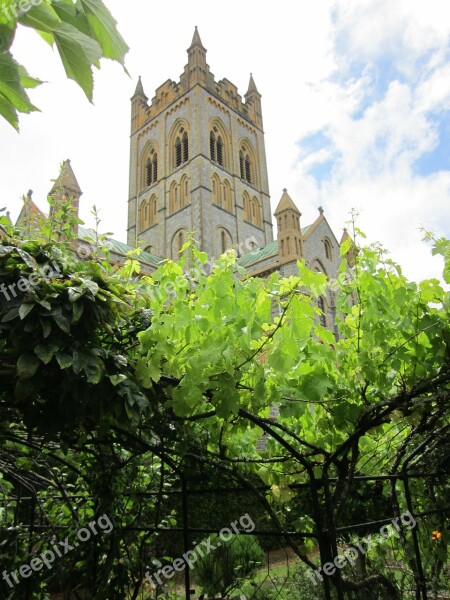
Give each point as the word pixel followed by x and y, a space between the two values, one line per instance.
pixel 138 106
pixel 66 187
pixel 253 103
pixel 290 239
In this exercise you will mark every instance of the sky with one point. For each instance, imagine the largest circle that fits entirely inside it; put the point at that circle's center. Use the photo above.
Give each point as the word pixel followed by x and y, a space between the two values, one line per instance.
pixel 355 100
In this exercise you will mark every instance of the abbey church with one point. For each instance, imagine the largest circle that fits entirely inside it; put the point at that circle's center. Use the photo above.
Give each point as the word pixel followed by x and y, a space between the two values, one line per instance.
pixel 198 164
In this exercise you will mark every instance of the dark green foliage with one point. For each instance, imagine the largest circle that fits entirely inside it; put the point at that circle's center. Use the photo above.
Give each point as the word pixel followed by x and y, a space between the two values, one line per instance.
pixel 230 564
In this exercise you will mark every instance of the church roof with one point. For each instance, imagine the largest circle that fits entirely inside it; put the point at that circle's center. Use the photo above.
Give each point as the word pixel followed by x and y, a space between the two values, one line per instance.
pixel 267 251
pixel 88 235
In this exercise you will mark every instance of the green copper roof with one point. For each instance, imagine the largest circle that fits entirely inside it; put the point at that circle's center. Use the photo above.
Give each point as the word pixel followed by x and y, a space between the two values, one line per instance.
pixel 271 249
pixel 119 247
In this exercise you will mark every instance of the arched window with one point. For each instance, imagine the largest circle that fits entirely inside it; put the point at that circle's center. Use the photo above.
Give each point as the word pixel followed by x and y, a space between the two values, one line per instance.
pixel 252 210
pixel 185 188
pixel 148 172
pixel 322 316
pixel 150 168
pixel 143 216
pixel 178 152
pixel 155 167
pixel 153 208
pixel 173 197
pixel 212 146
pixel 218 137
pixel 216 189
pixel 223 241
pixel 248 169
pixel 185 147
pixel 247 207
pixel 226 200
pixel 178 240
pixel 328 250
pixel 248 164
pixel 219 148
pixel 181 147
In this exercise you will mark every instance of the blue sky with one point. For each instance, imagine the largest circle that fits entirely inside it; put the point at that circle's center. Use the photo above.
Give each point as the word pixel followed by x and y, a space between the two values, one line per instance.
pixel 356 105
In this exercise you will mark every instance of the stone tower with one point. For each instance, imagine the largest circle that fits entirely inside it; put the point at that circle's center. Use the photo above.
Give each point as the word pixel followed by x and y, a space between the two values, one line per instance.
pixel 198 164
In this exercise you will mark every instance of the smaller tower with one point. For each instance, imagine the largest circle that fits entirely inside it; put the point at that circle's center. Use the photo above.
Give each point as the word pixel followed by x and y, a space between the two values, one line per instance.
pixel 66 187
pixel 290 239
pixel 138 106
pixel 197 69
pixel 253 103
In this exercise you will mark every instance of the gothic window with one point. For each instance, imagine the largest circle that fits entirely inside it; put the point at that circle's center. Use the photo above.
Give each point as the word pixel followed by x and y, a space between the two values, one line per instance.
pixel 212 146
pixel 241 164
pixel 248 170
pixel 247 207
pixel 216 148
pixel 328 251
pixel 185 147
pixel 153 207
pixel 180 241
pixel 219 151
pixel 216 189
pixel 322 316
pixel 143 216
pixel 181 147
pixel 226 199
pixel 155 167
pixel 223 240
pixel 185 185
pixel 178 152
pixel 252 210
pixel 148 172
pixel 150 169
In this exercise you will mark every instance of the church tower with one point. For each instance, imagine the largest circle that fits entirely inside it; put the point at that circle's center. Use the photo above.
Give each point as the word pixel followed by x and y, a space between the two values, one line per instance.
pixel 198 164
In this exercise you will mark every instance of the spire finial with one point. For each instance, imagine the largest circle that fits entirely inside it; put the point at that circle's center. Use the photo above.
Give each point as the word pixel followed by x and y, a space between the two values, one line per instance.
pixel 196 41
pixel 252 86
pixel 139 89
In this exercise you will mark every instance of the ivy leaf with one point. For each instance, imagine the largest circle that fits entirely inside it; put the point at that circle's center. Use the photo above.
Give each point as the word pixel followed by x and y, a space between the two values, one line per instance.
pixel 78 53
pixel 27 365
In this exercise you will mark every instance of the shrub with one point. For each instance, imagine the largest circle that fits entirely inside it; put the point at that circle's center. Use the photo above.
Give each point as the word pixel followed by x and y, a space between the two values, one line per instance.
pixel 229 565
